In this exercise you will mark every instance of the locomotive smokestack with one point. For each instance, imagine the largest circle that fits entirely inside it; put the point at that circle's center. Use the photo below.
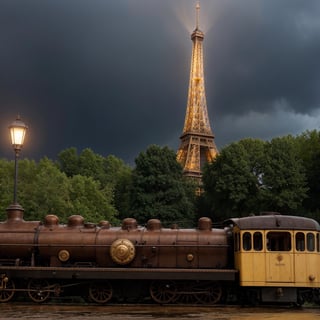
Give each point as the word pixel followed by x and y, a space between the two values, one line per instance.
pixel 15 213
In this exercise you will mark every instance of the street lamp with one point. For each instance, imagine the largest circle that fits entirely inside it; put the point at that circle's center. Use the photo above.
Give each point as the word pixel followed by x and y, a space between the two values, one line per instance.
pixel 18 131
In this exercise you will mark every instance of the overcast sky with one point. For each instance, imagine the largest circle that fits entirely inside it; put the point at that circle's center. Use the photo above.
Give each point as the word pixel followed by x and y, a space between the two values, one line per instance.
pixel 113 75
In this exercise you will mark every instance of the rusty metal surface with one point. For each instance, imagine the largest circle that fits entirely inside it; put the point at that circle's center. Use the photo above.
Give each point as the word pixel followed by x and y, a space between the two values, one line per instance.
pixel 50 243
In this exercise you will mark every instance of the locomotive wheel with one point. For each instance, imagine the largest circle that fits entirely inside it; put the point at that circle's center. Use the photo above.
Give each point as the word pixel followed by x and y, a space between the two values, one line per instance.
pixel 38 290
pixel 186 293
pixel 186 298
pixel 8 292
pixel 209 292
pixel 100 292
pixel 163 291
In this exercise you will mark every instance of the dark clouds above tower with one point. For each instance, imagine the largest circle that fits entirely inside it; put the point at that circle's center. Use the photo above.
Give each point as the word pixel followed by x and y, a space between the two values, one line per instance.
pixel 113 75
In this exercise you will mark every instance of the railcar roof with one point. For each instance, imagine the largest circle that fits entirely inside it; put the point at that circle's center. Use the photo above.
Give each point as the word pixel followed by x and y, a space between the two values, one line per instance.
pixel 275 221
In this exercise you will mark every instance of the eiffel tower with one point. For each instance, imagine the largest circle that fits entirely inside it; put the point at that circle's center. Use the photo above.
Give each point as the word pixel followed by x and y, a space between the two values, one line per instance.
pixel 197 140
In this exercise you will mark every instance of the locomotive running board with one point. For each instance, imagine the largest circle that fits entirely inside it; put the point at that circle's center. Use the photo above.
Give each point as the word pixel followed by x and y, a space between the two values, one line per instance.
pixel 118 273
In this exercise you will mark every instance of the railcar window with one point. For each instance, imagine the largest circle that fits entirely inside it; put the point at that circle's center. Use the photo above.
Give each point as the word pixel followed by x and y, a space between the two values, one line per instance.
pixel 310 242
pixel 257 241
pixel 300 242
pixel 246 241
pixel 318 242
pixel 279 241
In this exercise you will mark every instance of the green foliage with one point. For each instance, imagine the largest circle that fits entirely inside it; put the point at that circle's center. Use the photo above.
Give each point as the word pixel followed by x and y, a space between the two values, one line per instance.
pixel 91 165
pixel 308 145
pixel 231 182
pixel 111 172
pixel 115 169
pixel 119 176
pixel 6 186
pixel 43 189
pixel 90 201
pixel 252 176
pixel 284 181
pixel 87 163
pixel 159 189
pixel 68 161
pixel 46 192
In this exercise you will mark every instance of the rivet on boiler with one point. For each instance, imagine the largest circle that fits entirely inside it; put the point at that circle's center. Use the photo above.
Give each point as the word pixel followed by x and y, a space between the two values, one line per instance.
pixel 190 257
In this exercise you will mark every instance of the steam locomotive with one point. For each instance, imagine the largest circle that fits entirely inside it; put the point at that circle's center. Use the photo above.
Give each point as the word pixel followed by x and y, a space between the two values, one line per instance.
pixel 266 258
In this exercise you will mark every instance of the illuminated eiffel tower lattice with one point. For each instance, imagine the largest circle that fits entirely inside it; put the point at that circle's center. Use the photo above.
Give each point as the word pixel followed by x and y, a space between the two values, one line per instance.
pixel 197 140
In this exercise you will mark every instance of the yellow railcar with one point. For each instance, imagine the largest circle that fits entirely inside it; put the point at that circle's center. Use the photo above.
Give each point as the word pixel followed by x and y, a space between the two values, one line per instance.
pixel 277 256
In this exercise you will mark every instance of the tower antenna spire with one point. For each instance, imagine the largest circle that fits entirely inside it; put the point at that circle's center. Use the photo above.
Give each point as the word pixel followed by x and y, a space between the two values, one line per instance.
pixel 197 14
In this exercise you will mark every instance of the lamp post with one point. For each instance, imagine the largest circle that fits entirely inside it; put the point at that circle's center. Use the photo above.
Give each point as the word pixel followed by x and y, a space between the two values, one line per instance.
pixel 18 131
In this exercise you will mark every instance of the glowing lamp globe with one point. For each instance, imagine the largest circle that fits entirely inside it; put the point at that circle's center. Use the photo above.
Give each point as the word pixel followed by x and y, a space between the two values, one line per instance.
pixel 18 131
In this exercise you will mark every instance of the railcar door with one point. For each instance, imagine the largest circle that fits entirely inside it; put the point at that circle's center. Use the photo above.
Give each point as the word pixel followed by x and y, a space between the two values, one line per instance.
pixel 279 257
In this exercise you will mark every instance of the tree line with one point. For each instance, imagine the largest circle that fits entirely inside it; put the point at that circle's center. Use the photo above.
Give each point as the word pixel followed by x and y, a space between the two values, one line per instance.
pixel 247 177
pixel 252 176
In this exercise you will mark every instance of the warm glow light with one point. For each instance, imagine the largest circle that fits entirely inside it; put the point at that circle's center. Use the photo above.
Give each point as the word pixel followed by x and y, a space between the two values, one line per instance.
pixel 18 131
pixel 187 16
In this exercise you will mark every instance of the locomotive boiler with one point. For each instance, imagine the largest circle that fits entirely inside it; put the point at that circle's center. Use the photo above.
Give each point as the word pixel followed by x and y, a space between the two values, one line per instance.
pixel 100 256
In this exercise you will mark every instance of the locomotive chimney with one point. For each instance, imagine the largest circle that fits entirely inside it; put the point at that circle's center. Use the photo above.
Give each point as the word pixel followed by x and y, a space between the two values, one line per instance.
pixel 15 213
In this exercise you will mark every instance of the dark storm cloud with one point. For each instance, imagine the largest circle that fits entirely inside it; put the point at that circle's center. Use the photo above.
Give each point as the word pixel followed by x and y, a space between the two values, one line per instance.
pixel 113 75
pixel 267 51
